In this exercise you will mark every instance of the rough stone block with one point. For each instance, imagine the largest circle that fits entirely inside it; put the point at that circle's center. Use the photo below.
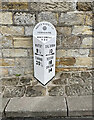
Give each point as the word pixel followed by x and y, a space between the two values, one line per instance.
pixel 82 30
pixel 7 62
pixel 36 106
pixel 12 91
pixel 89 19
pixel 29 30
pixel 71 42
pixel 21 18
pixel 15 53
pixel 23 62
pixel 0 53
pixel 7 41
pixel 6 18
pixel 80 106
pixel 64 31
pixel 12 30
pixel 91 53
pixel 33 91
pixel 87 42
pixel 14 5
pixel 48 16
pixel 84 62
pixel 52 6
pixel 3 72
pixel 22 42
pixel 72 18
pixel 85 6
pixel 56 90
pixel 10 81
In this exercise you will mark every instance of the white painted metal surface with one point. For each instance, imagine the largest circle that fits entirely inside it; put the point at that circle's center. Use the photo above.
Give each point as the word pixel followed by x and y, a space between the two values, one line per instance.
pixel 44 50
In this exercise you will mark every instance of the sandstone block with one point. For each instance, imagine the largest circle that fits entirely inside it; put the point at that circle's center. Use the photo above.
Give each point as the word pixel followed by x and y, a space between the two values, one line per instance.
pixel 89 19
pixel 84 61
pixel 91 53
pixel 72 18
pixel 12 30
pixel 15 53
pixel 23 42
pixel 14 5
pixel 21 18
pixel 82 30
pixel 29 30
pixel 3 72
pixel 7 41
pixel 7 62
pixel 87 42
pixel 52 6
pixel 64 31
pixel 6 18
pixel 71 42
pixel 0 53
pixel 48 16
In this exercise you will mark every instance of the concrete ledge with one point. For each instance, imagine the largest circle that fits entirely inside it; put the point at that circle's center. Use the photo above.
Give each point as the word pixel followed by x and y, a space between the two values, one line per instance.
pixel 36 106
pixel 48 106
pixel 80 106
pixel 3 103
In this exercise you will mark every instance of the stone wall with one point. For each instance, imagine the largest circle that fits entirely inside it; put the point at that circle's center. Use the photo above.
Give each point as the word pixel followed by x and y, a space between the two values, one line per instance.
pixel 74 55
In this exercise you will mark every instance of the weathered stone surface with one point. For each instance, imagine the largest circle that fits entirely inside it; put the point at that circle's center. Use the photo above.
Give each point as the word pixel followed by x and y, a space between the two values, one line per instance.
pixel 12 30
pixel 52 6
pixel 17 91
pixel 10 81
pixel 24 18
pixel 7 62
pixel 56 90
pixel 77 30
pixel 7 41
pixel 17 71
pixel 58 41
pixel 67 61
pixel 87 42
pixel 5 18
pixel 36 106
pixel 48 16
pixel 64 31
pixel 29 30
pixel 89 19
pixel 22 42
pixel 3 71
pixel 71 42
pixel 15 52
pixel 71 18
pixel 23 62
pixel 35 91
pixel 84 6
pixel 59 82
pixel 25 80
pixel 84 61
pixel 78 89
pixel 14 5
pixel 60 53
pixel 82 106
pixel 91 53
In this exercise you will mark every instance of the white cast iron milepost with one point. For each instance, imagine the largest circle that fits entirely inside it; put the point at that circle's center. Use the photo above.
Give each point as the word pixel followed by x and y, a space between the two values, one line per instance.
pixel 44 50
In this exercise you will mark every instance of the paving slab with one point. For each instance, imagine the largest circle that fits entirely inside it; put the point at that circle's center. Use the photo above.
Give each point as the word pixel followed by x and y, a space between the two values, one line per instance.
pixel 36 106
pixel 80 106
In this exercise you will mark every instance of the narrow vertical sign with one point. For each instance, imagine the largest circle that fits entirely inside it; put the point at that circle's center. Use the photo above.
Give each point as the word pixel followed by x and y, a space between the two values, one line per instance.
pixel 44 50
